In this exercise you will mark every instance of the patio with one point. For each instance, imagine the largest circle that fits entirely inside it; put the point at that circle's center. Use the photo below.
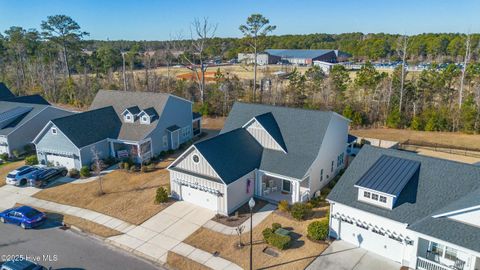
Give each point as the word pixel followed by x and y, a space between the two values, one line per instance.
pixel 275 189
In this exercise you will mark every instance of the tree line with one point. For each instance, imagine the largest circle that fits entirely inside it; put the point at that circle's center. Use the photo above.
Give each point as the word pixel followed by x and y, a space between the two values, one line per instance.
pixel 59 62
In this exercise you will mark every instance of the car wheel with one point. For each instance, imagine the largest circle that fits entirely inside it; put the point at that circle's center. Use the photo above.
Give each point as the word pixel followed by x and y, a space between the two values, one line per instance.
pixel 23 226
pixel 2 220
pixel 64 173
pixel 23 182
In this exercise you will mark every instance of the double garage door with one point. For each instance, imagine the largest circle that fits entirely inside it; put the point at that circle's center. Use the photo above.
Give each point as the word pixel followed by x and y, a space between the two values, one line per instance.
pixel 376 243
pixel 57 160
pixel 200 198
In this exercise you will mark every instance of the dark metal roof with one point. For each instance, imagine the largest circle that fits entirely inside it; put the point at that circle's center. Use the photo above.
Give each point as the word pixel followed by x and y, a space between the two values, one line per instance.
pixel 134 110
pixel 5 93
pixel 351 138
pixel 173 128
pixel 289 53
pixel 389 174
pixel 151 112
pixel 267 120
pixel 232 154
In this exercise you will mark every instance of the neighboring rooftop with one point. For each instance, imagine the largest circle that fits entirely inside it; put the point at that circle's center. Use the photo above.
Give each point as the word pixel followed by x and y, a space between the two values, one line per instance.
pixel 439 185
pixel 8 106
pixel 5 93
pixel 293 53
pixel 32 99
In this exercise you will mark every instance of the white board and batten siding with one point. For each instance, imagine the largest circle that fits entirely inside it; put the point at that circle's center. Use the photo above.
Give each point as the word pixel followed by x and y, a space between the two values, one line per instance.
pixel 202 167
pixel 262 136
pixel 237 191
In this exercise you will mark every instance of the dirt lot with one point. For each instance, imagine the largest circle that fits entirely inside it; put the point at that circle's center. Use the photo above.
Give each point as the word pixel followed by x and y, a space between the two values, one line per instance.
pixel 401 135
pixel 298 256
pixel 129 196
pixel 8 167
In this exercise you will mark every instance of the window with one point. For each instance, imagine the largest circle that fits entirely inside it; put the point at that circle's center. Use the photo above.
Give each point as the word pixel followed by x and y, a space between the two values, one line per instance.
pixel 321 175
pixel 128 117
pixel 437 249
pixel 340 160
pixel 366 194
pixel 54 131
pixel 165 142
pixel 450 254
pixel 383 199
pixel 195 158
pixel 332 166
pixel 374 197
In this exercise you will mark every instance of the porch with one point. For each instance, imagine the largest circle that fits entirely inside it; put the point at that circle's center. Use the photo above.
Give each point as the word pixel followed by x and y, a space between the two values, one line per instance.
pixel 274 188
pixel 432 255
pixel 137 151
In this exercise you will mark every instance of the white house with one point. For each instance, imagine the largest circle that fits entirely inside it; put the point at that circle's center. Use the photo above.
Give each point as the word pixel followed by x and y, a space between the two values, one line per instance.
pixel 419 211
pixel 273 153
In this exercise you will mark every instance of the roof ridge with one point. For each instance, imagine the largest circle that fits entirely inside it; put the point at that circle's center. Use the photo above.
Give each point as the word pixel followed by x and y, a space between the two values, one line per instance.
pixel 82 113
pixel 284 107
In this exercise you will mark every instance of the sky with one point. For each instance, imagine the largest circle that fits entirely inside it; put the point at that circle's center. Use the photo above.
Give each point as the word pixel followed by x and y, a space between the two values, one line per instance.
pixel 160 19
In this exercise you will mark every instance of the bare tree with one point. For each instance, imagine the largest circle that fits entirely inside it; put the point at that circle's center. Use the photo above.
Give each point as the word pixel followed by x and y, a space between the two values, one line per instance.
pixel 201 31
pixel 402 79
pixel 239 230
pixel 464 68
pixel 97 169
pixel 257 26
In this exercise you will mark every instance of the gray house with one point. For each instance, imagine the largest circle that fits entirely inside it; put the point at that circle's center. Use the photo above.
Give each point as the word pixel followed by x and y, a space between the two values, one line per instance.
pixel 119 124
pixel 21 119
pixel 274 153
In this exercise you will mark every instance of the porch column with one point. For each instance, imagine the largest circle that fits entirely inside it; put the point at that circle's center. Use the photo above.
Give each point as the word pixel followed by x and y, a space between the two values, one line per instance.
pixel 112 149
pixel 295 191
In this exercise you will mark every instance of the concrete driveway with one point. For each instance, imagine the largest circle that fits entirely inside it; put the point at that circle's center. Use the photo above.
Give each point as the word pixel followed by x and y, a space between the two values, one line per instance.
pixel 341 255
pixel 10 195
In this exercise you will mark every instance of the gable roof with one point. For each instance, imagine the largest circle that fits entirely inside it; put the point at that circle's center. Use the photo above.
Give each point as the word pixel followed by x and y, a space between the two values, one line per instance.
pixel 91 126
pixel 439 184
pixel 244 153
pixel 122 100
pixel 5 93
pixel 133 110
pixel 31 99
pixel 293 53
pixel 311 124
pixel 267 120
pixel 6 106
pixel 389 175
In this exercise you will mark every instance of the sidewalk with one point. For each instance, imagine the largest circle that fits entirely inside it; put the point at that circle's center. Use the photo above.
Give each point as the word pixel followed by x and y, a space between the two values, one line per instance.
pixel 257 219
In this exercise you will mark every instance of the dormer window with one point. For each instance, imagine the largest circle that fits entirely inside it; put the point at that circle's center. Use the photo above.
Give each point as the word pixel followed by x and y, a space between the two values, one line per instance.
pixel 147 116
pixel 145 119
pixel 54 131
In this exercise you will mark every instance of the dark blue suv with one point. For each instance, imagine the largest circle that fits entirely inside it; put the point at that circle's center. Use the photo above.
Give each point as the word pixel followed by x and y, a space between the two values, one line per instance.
pixel 24 216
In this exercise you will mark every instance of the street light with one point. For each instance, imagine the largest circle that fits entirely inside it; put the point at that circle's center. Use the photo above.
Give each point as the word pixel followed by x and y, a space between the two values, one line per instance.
pixel 251 204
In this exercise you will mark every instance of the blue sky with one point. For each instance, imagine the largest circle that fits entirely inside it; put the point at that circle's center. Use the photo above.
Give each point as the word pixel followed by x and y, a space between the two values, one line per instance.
pixel 158 19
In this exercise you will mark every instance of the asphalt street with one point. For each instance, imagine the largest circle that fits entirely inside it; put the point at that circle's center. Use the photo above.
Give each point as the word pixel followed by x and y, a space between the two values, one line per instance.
pixel 52 247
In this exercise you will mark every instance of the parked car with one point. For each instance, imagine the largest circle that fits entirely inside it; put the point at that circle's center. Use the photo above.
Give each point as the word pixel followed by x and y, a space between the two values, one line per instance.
pixel 42 177
pixel 1 161
pixel 24 216
pixel 21 265
pixel 11 178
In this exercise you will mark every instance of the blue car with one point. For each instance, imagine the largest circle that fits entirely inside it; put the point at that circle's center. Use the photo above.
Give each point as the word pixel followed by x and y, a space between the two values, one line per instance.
pixel 24 216
pixel 21 265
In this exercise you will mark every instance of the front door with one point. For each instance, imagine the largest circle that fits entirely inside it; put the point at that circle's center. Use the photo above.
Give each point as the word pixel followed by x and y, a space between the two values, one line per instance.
pixel 175 139
pixel 286 186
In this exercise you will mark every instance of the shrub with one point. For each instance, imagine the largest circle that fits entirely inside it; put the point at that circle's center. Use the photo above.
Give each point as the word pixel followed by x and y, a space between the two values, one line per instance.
pixel 133 169
pixel 4 156
pixel 267 232
pixel 144 168
pixel 283 206
pixel 162 195
pixel 16 153
pixel 126 166
pixel 74 173
pixel 85 171
pixel 171 151
pixel 31 160
pixel 318 230
pixel 120 165
pixel 276 226
pixel 279 241
pixel 109 161
pixel 300 211
pixel 315 202
pixel 162 154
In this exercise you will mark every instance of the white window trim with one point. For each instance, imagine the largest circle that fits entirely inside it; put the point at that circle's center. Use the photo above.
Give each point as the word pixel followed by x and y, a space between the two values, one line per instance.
pixel 193 159
pixel 54 131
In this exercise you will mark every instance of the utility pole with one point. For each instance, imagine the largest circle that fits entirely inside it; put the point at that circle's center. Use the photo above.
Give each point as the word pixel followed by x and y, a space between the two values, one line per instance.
pixel 403 72
pixel 123 70
pixel 464 69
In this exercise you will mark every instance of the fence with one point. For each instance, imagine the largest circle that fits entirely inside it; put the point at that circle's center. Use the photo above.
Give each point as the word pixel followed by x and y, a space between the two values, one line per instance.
pixel 413 145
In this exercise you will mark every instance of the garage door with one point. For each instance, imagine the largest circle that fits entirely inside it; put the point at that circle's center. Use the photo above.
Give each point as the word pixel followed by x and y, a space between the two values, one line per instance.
pixel 379 244
pixel 67 162
pixel 3 149
pixel 200 198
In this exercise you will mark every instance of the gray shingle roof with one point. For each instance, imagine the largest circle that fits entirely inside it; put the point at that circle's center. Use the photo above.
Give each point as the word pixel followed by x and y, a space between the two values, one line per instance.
pixel 32 99
pixel 293 123
pixel 5 93
pixel 244 154
pixel 91 126
pixel 307 54
pixel 439 184
pixel 389 174
pixel 121 100
pixel 7 106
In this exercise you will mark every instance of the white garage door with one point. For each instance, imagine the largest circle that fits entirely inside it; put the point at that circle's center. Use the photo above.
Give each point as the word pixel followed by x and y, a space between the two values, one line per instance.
pixel 67 162
pixel 379 244
pixel 3 149
pixel 200 198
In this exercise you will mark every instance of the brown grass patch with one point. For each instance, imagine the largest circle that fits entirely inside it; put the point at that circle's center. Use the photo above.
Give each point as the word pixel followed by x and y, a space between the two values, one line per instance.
pixel 447 138
pixel 128 196
pixel 83 224
pixel 298 256
pixel 213 123
pixel 177 261
pixel 8 167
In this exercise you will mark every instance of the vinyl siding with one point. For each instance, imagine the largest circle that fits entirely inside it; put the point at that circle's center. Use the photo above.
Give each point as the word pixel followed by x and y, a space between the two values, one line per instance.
pixel 262 136
pixel 202 167
pixel 57 143
pixel 237 192
pixel 86 154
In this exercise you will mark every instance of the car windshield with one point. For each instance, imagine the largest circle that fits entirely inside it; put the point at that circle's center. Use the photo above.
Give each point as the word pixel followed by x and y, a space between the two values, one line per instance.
pixel 11 175
pixel 31 213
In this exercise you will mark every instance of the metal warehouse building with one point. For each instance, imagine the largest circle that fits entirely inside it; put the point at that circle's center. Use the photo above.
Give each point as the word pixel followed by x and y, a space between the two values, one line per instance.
pixel 304 57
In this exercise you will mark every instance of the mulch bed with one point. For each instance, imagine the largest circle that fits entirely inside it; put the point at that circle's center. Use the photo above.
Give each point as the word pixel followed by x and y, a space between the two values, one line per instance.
pixel 241 214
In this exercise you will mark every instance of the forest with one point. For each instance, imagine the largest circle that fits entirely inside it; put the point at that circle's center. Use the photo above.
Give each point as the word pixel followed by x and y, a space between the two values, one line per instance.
pixel 60 62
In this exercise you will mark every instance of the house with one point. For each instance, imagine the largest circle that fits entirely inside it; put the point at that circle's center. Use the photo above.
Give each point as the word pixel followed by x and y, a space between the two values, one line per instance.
pixel 119 124
pixel 5 93
pixel 262 59
pixel 304 57
pixel 420 211
pixel 273 153
pixel 21 119
pixel 324 66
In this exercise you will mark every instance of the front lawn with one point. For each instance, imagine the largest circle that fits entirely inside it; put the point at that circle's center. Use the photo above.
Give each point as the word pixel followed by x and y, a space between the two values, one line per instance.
pixel 300 254
pixel 8 167
pixel 128 196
